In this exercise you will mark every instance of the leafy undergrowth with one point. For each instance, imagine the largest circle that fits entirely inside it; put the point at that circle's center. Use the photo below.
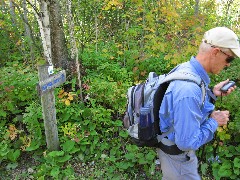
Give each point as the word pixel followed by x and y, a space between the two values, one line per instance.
pixel 93 143
pixel 27 167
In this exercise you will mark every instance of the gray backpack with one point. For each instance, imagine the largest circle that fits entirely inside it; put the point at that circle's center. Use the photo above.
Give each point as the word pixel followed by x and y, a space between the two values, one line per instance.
pixel 144 100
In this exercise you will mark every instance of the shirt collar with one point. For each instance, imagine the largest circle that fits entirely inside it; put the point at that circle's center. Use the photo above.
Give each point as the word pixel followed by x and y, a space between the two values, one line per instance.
pixel 200 70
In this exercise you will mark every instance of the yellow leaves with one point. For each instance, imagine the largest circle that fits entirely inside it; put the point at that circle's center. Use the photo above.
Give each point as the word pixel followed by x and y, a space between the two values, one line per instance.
pixel 135 69
pixel 26 142
pixel 168 57
pixel 222 133
pixel 104 50
pixel 169 13
pixel 18 43
pixel 61 94
pixel 112 4
pixel 149 29
pixel 66 97
pixel 220 129
pixel 67 102
pixel 138 2
pixel 118 45
pixel 120 52
pixel 12 132
pixel 143 73
pixel 70 97
pixel 1 23
pixel 69 129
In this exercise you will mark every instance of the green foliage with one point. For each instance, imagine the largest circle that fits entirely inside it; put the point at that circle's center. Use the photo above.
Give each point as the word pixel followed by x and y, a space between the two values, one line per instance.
pixel 119 42
pixel 32 119
pixel 8 40
pixel 52 167
pixel 16 90
pixel 223 153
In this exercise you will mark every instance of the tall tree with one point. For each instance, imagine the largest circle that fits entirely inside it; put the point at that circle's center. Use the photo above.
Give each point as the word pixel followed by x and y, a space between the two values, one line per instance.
pixel 59 48
pixel 196 11
pixel 28 34
pixel 73 44
pixel 44 26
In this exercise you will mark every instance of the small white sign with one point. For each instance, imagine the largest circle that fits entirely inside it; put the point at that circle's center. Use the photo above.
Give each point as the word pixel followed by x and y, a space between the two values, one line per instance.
pixel 50 70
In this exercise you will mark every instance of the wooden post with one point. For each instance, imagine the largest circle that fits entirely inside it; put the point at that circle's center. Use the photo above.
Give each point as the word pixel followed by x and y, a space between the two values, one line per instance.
pixel 46 89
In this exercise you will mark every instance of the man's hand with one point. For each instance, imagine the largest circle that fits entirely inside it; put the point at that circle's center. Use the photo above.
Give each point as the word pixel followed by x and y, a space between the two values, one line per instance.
pixel 218 92
pixel 222 117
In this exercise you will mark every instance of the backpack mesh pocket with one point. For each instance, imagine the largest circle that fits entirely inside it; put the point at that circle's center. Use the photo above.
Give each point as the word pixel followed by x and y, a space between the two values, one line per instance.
pixel 146 124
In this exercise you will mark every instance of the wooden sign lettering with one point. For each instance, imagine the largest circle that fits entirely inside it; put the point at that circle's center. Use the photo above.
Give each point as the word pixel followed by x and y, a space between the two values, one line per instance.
pixel 52 82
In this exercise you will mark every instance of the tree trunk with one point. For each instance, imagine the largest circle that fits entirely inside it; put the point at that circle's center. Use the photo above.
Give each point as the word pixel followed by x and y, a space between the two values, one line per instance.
pixel 59 48
pixel 74 49
pixel 28 31
pixel 96 31
pixel 196 10
pixel 12 12
pixel 43 22
pixel 229 3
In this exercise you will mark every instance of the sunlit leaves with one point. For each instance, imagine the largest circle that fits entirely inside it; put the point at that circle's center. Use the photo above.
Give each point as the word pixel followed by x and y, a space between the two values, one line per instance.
pixel 69 129
pixel 112 4
pixel 120 52
pixel 222 133
pixel 26 140
pixel 12 132
pixel 66 97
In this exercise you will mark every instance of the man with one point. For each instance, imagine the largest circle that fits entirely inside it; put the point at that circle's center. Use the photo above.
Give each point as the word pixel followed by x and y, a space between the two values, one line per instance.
pixel 194 123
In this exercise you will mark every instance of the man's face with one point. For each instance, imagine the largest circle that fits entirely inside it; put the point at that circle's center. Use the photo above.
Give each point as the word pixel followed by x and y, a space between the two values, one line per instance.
pixel 222 60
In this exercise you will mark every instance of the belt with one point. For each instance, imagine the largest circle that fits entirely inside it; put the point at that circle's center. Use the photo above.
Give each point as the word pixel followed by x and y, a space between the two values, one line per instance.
pixel 171 150
pixel 169 147
pixel 166 146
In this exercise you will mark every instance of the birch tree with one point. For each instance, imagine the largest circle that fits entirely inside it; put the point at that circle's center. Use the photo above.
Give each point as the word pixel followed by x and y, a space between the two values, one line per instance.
pixel 47 100
pixel 74 49
pixel 28 30
pixel 12 12
pixel 42 17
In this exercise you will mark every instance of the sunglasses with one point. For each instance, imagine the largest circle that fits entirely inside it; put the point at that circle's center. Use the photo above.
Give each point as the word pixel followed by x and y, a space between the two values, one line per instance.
pixel 229 58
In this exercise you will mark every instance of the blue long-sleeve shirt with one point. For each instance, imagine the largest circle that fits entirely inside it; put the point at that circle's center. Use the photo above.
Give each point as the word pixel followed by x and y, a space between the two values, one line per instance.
pixel 182 108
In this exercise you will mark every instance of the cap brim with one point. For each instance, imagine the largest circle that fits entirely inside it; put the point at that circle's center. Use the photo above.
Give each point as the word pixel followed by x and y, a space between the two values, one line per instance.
pixel 236 52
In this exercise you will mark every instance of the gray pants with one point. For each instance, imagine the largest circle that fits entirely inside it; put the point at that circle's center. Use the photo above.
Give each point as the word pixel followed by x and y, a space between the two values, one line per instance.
pixel 179 167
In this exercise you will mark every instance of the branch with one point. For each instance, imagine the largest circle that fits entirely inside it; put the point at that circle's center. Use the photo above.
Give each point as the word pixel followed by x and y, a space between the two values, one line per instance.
pixel 34 7
pixel 45 31
pixel 27 23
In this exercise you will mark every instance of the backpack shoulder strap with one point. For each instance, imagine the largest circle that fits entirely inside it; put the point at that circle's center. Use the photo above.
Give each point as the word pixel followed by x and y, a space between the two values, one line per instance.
pixel 187 76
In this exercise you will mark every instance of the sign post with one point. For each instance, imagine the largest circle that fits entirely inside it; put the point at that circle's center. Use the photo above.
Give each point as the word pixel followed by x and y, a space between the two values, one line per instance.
pixel 46 90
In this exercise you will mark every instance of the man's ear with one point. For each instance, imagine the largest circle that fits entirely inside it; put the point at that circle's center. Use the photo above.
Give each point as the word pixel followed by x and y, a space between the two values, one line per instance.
pixel 214 52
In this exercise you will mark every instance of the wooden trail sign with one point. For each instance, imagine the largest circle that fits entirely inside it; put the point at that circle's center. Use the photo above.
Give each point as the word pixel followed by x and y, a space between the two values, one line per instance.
pixel 46 88
pixel 52 82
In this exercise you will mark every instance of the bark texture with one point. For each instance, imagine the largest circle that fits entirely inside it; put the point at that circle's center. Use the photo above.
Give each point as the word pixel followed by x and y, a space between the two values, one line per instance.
pixel 59 48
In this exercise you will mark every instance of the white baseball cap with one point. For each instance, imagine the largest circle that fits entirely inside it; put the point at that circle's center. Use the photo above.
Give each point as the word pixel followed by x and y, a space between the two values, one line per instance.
pixel 223 37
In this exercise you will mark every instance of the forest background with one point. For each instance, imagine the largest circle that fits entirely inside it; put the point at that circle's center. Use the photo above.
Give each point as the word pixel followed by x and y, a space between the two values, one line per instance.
pixel 105 47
